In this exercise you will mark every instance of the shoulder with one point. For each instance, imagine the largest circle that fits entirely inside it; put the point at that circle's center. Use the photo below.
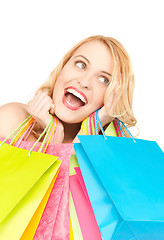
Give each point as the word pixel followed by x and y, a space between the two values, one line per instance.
pixel 11 115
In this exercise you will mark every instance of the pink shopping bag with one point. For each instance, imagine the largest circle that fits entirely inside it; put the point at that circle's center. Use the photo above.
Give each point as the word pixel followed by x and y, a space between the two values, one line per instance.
pixel 85 214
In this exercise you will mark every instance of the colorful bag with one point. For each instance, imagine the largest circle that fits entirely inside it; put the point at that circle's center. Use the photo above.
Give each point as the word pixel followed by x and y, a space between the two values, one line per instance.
pixel 25 177
pixel 85 214
pixel 124 179
pixel 54 223
pixel 84 225
pixel 74 222
pixel 64 152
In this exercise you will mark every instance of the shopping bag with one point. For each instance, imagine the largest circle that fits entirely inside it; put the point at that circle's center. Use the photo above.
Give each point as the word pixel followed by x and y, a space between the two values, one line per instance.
pixel 56 212
pixel 76 230
pixel 32 226
pixel 74 219
pixel 83 207
pixel 71 236
pixel 54 223
pixel 24 182
pixel 123 177
pixel 83 219
pixel 25 179
pixel 46 228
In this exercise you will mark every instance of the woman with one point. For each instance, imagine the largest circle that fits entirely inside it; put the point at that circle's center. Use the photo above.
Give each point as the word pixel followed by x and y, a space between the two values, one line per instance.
pixel 95 74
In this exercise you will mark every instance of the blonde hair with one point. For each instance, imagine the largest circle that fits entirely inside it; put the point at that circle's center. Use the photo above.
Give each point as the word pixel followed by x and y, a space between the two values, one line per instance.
pixel 122 83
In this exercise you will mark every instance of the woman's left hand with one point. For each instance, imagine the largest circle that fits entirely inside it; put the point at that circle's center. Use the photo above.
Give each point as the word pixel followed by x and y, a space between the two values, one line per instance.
pixel 105 118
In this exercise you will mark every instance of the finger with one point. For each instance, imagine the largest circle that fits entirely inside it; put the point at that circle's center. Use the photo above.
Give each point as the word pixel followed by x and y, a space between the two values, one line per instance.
pixel 39 91
pixel 39 101
pixel 43 107
pixel 110 101
pixel 52 109
pixel 35 102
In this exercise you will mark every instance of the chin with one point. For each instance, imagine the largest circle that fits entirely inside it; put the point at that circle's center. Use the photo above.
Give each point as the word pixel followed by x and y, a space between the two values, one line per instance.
pixel 68 118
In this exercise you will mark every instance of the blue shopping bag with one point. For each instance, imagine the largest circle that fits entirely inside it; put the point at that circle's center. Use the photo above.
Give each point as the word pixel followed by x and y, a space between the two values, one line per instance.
pixel 124 180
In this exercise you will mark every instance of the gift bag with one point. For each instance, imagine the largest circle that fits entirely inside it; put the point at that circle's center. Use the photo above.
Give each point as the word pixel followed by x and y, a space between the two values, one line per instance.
pixel 74 221
pixel 25 178
pixel 85 214
pixel 54 223
pixel 46 213
pixel 84 222
pixel 124 179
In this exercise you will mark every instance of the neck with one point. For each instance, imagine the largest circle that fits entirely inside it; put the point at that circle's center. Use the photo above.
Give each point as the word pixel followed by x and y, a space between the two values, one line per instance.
pixel 70 131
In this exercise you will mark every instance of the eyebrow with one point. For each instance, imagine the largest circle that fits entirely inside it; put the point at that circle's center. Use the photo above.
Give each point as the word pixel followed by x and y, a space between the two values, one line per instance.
pixel 89 62
pixel 83 57
pixel 107 73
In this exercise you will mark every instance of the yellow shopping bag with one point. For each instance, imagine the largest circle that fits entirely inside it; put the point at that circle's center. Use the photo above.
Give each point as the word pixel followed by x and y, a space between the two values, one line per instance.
pixel 32 226
pixel 24 181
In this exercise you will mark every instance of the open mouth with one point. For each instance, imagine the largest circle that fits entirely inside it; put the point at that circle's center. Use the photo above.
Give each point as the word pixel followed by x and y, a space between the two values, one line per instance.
pixel 74 99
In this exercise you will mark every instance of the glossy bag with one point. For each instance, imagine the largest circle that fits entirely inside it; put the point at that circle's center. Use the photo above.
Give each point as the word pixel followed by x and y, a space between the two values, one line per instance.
pixel 54 223
pixel 25 178
pixel 124 179
pixel 85 214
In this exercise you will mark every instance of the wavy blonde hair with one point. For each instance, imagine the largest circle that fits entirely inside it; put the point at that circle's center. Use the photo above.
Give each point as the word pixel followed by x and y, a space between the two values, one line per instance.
pixel 122 83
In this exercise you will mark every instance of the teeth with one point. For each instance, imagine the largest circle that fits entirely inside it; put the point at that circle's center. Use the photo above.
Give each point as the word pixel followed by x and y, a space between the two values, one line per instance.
pixel 77 94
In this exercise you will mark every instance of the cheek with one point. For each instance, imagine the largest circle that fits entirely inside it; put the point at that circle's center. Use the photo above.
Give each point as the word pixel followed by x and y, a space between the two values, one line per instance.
pixel 58 85
pixel 98 102
pixel 65 73
pixel 59 80
pixel 98 99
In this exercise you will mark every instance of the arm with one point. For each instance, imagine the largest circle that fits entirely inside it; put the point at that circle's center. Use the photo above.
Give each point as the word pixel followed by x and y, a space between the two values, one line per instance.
pixel 11 116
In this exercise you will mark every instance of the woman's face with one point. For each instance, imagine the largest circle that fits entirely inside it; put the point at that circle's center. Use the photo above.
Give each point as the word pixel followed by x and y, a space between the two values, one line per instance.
pixel 80 88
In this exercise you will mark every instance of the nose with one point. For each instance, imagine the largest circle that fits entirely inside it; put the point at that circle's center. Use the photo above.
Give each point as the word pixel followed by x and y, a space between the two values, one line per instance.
pixel 85 81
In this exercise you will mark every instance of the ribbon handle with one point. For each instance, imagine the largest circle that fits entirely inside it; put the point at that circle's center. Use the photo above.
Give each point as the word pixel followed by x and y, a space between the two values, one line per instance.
pixel 97 121
pixel 119 121
pixel 15 130
pixel 23 129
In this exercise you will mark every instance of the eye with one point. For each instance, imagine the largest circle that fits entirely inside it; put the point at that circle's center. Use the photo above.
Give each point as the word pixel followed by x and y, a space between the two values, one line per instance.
pixel 80 64
pixel 104 80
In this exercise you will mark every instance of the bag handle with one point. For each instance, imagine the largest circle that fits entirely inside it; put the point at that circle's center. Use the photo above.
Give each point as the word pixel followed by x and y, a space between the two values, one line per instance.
pixel 23 130
pixel 15 130
pixel 26 134
pixel 50 133
pixel 119 121
pixel 117 130
pixel 48 128
pixel 26 130
pixel 97 120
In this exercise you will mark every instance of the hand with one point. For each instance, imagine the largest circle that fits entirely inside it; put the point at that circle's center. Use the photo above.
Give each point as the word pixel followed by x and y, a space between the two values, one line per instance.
pixel 105 118
pixel 40 108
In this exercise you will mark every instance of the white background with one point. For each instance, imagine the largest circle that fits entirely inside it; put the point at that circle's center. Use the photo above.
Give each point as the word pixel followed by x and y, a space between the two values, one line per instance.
pixel 35 34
